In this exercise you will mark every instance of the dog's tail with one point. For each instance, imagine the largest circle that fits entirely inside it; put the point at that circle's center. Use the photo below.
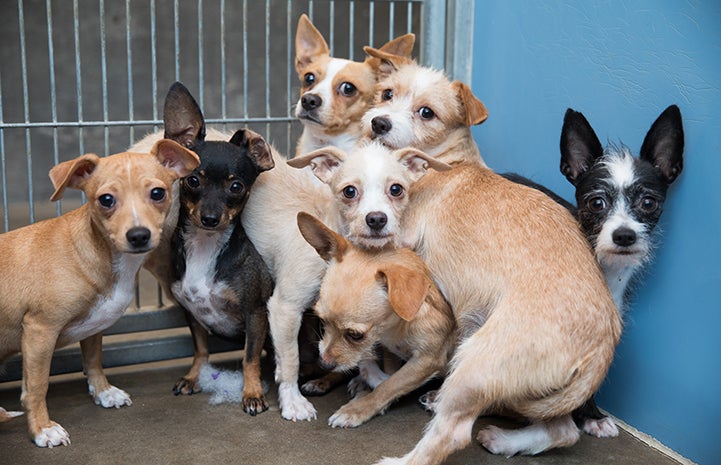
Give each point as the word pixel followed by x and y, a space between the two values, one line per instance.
pixel 7 416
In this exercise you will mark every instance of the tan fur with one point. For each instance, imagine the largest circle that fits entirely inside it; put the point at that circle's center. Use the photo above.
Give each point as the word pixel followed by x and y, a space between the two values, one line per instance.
pixel 382 298
pixel 338 121
pixel 56 272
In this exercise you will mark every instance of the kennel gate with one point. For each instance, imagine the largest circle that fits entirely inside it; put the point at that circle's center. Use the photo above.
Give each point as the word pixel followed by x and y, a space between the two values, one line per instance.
pixel 91 76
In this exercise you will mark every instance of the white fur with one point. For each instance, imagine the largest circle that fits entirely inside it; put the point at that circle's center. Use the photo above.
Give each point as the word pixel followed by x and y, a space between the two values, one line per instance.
pixel 224 385
pixel 529 440
pixel 109 307
pixel 111 397
pixel 195 291
pixel 52 436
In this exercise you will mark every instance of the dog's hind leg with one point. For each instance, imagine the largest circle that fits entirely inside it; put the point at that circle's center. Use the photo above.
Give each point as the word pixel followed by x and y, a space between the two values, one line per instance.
pixel 532 439
pixel 189 384
pixel 285 317
pixel 104 394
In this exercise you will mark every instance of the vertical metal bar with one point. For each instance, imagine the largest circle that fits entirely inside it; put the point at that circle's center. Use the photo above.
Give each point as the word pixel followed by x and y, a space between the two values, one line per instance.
pixel 433 32
pixel 310 10
pixel 201 92
pixel 26 108
pixel 267 65
pixel 6 221
pixel 351 28
pixel 409 18
pixel 128 46
pixel 245 59
pixel 104 76
pixel 176 30
pixel 53 92
pixel 331 36
pixel 154 62
pixel 288 55
pixel 371 20
pixel 391 20
pixel 459 40
pixel 223 72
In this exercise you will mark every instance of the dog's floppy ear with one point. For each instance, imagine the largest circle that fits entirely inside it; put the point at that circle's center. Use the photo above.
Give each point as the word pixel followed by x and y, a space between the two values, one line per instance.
pixel 580 147
pixel 324 162
pixel 175 157
pixel 476 111
pixel 417 162
pixel 329 244
pixel 184 122
pixel 309 43
pixel 385 63
pixel 259 150
pixel 72 173
pixel 407 289
pixel 663 144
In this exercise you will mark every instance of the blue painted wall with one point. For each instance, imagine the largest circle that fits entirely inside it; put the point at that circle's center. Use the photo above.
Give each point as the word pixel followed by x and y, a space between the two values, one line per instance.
pixel 621 63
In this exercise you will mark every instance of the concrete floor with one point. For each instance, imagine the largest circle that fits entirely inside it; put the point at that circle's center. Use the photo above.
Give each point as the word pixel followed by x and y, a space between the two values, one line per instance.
pixel 160 428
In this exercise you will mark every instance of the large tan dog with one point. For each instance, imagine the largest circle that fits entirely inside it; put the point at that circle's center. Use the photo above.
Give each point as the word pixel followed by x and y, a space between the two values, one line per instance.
pixel 68 278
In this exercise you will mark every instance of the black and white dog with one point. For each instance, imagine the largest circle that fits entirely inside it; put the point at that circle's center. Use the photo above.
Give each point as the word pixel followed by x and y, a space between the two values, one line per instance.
pixel 619 200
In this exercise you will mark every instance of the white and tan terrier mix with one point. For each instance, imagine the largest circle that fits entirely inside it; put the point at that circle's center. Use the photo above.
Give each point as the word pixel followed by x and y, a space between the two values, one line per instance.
pixel 385 298
pixel 88 259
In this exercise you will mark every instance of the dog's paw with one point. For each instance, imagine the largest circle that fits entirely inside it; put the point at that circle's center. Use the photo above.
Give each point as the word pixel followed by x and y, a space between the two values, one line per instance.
pixel 6 415
pixel 54 435
pixel 315 387
pixel 496 441
pixel 186 387
pixel 357 386
pixel 602 428
pixel 254 405
pixel 392 461
pixel 112 397
pixel 293 406
pixel 428 400
pixel 353 414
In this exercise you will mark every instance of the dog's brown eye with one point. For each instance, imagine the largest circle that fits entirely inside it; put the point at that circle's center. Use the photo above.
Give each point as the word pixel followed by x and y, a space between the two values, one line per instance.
pixel 157 194
pixel 396 190
pixel 309 79
pixel 350 192
pixel 106 201
pixel 235 187
pixel 649 204
pixel 192 181
pixel 386 95
pixel 354 336
pixel 348 89
pixel 426 113
pixel 597 204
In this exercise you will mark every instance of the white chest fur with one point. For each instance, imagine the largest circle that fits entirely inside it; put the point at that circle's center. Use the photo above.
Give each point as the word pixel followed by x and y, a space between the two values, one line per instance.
pixel 110 306
pixel 198 291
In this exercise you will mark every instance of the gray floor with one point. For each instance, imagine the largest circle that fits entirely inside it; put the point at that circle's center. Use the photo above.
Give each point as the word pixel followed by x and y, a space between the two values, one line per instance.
pixel 160 428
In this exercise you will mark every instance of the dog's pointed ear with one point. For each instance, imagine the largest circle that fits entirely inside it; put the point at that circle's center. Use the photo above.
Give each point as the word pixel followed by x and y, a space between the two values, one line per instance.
pixel 329 244
pixel 324 162
pixel 259 150
pixel 580 147
pixel 407 289
pixel 663 144
pixel 175 157
pixel 476 111
pixel 400 46
pixel 418 162
pixel 72 173
pixel 385 63
pixel 183 120
pixel 309 43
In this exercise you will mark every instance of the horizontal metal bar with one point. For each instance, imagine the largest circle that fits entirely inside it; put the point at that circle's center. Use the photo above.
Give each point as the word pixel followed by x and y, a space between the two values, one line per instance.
pixel 148 320
pixel 149 122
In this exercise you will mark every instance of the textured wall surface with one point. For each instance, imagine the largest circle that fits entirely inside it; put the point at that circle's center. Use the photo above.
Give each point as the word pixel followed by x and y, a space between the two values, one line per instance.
pixel 621 63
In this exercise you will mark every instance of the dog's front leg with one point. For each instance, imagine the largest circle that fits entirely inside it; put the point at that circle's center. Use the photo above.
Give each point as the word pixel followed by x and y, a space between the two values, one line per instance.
pixel 255 333
pixel 285 319
pixel 38 343
pixel 410 376
pixel 104 394
pixel 189 384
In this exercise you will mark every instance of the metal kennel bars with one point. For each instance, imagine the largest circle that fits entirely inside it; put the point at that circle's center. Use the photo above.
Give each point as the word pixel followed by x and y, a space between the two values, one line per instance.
pixel 81 76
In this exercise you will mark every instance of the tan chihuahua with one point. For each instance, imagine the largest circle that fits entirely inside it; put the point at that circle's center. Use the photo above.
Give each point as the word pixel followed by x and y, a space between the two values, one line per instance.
pixel 67 279
pixel 385 298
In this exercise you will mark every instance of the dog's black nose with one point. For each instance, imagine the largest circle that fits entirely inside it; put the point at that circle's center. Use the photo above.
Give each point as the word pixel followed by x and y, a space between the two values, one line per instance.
pixel 210 221
pixel 376 220
pixel 138 236
pixel 310 102
pixel 624 236
pixel 381 125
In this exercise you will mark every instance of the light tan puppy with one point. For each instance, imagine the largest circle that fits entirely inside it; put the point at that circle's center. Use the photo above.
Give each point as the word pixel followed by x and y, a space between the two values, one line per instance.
pixel 68 278
pixel 372 298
